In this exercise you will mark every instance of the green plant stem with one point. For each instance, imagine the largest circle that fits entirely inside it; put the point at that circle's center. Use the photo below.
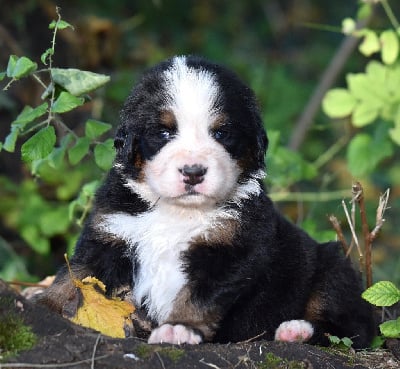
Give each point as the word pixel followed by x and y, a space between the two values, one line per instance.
pixel 59 122
pixel 331 152
pixel 309 196
pixel 53 46
pixel 35 127
pixel 390 14
pixel 85 212
pixel 39 81
pixel 9 84
pixel 321 27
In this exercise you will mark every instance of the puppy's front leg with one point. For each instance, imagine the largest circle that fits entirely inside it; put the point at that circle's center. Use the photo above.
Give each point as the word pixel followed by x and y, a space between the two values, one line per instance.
pixel 187 323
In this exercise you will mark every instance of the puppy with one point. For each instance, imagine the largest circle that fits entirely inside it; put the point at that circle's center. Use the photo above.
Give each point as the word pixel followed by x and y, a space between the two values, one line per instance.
pixel 183 221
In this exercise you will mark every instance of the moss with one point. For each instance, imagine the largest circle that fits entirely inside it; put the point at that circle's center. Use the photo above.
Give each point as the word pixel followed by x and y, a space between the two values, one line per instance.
pixel 172 353
pixel 344 352
pixel 145 351
pixel 15 336
pixel 271 361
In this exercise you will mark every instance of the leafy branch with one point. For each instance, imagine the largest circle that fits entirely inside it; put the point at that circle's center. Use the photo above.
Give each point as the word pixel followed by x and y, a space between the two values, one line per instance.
pixel 66 91
pixel 384 294
pixel 371 98
pixel 50 145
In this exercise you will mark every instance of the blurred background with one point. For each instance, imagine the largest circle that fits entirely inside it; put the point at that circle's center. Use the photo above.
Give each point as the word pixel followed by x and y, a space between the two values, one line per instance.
pixel 281 48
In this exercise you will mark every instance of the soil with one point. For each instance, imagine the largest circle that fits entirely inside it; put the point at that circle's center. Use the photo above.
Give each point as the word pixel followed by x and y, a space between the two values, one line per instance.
pixel 61 343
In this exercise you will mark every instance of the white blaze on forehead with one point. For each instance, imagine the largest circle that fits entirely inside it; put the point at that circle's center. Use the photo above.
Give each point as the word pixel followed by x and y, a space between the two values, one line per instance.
pixel 192 92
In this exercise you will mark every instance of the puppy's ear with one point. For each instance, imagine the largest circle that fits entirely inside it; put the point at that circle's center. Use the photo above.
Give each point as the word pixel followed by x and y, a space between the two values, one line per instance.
pixel 262 139
pixel 128 156
pixel 120 138
pixel 262 145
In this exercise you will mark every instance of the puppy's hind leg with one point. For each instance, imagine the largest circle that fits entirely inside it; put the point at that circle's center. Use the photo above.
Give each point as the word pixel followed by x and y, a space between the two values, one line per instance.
pixel 335 307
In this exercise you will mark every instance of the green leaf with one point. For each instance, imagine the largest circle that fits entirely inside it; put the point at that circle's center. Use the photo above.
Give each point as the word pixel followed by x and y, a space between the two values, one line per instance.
pixel 391 328
pixel 376 71
pixel 393 81
pixel 66 102
pixel 364 153
pixel 39 145
pixel 60 24
pixel 338 103
pixel 364 114
pixel 370 43
pixel 364 10
pixel 394 134
pixel 11 139
pixel 95 128
pixel 79 150
pixel 389 46
pixel 334 339
pixel 377 342
pixel 45 55
pixel 85 196
pixel 32 236
pixel 347 342
pixel 367 88
pixel 104 154
pixel 54 221
pixel 29 114
pixel 78 82
pixel 56 158
pixel 2 75
pixel 20 67
pixel 12 61
pixel 383 293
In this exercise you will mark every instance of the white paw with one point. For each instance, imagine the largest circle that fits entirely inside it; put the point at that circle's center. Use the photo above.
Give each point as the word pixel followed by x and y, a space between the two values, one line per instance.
pixel 175 334
pixel 294 331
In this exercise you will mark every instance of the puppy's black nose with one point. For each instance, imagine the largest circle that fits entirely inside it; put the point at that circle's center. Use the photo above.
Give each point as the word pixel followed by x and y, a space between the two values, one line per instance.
pixel 194 174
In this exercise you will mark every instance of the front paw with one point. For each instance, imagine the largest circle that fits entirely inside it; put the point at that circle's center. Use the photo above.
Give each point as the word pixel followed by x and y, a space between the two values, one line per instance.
pixel 294 331
pixel 175 334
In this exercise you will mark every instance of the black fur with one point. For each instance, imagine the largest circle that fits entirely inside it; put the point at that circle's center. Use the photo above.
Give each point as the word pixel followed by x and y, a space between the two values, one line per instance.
pixel 268 272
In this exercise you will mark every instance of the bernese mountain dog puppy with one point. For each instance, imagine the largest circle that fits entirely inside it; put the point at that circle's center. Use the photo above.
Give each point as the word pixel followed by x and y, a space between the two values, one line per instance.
pixel 184 222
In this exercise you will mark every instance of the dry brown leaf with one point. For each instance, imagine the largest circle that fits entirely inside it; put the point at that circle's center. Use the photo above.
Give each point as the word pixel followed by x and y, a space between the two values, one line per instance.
pixel 91 308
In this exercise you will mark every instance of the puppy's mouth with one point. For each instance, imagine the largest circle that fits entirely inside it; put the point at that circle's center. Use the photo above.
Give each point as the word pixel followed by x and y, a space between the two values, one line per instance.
pixel 193 198
pixel 190 190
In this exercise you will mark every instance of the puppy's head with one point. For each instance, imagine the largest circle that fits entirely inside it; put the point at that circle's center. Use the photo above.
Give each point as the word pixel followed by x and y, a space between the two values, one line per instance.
pixel 190 135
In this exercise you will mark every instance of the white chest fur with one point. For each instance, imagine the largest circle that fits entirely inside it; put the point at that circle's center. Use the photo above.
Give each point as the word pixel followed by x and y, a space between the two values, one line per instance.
pixel 158 238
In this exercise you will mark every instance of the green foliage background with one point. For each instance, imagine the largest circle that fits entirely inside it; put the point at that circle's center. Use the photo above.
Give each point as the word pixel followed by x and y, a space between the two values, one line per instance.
pixel 280 48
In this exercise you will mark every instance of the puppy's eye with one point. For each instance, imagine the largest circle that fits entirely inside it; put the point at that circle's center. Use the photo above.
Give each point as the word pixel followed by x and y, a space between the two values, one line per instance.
pixel 165 134
pixel 220 134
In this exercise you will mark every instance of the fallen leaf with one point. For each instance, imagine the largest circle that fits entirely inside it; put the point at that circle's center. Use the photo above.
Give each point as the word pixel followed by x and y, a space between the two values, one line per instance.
pixel 91 308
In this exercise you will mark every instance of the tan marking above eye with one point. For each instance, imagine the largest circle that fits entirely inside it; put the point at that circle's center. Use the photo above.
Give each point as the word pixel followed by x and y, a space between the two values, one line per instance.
pixel 219 121
pixel 167 119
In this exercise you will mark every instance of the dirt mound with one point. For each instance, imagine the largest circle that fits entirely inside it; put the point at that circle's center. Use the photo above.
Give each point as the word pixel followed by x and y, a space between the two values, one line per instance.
pixel 60 343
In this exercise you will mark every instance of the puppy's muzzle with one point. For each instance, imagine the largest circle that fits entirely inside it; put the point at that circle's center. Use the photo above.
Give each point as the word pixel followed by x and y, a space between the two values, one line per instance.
pixel 193 174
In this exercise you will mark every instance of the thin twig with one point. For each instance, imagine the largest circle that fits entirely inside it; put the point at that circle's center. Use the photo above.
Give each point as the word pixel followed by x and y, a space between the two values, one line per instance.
pixel 353 233
pixel 94 351
pixel 62 365
pixel 390 14
pixel 336 225
pixel 254 338
pixel 26 284
pixel 211 365
pixel 160 360
pixel 358 196
pixel 380 211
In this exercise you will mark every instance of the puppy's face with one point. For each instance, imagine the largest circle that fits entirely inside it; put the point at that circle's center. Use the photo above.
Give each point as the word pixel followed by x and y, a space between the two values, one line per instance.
pixel 191 135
